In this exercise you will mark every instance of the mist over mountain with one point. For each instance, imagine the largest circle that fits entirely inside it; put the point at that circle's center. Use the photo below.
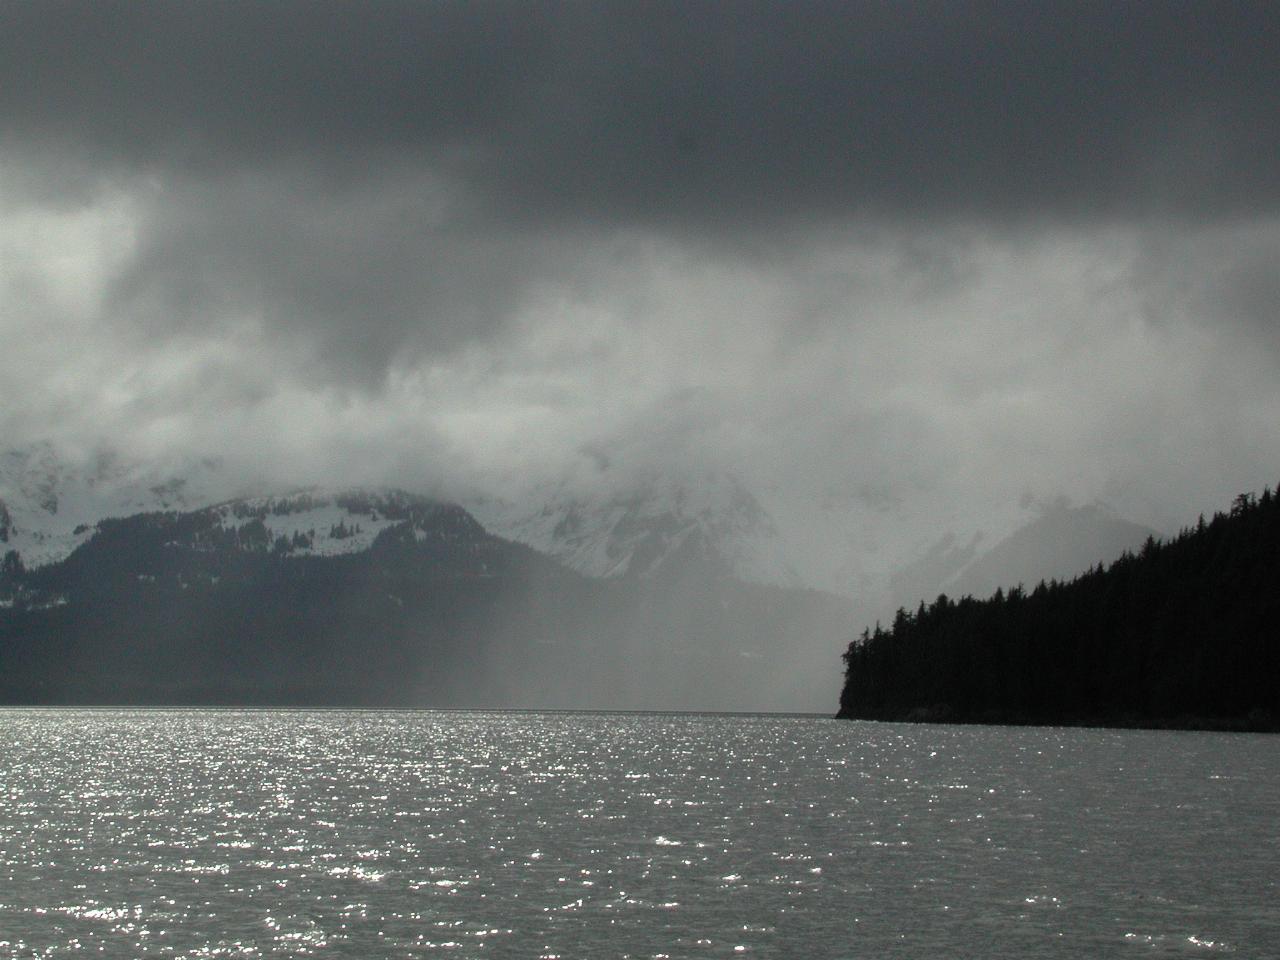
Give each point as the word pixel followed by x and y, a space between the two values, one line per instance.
pixel 1061 543
pixel 893 268
pixel 619 588
pixel 617 524
pixel 649 522
pixel 376 596
pixel 50 500
pixel 608 521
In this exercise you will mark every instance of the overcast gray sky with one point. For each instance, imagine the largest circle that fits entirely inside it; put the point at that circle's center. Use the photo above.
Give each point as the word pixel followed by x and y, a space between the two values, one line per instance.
pixel 889 257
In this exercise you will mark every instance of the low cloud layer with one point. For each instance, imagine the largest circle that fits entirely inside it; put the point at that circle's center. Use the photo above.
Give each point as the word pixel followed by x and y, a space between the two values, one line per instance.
pixel 905 263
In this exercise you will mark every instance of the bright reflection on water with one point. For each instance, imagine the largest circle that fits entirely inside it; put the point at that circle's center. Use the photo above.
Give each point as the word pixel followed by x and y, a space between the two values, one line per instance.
pixel 369 835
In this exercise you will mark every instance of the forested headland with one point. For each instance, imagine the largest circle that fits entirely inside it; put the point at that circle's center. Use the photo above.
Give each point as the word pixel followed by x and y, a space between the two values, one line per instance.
pixel 1184 633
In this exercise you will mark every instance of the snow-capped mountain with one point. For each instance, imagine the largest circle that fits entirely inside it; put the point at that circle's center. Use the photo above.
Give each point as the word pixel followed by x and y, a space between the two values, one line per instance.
pixel 50 502
pixel 605 522
pixel 645 525
pixel 127 589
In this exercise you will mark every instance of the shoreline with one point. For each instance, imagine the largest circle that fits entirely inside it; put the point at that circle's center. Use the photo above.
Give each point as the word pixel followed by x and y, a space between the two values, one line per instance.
pixel 1233 724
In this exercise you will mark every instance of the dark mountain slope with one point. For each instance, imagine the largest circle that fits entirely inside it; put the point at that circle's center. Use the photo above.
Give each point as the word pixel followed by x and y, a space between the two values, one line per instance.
pixel 1060 544
pixel 1185 633
pixel 208 607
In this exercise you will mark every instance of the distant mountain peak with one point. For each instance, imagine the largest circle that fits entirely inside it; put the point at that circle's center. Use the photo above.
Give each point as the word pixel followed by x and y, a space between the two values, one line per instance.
pixel 644 524
pixel 611 524
pixel 1061 542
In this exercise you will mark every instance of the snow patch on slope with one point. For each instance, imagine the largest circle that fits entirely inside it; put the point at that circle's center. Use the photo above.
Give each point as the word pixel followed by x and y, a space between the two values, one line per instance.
pixel 50 503
pixel 312 522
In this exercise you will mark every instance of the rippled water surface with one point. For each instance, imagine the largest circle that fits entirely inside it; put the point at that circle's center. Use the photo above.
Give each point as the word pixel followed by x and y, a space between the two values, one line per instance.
pixel 329 834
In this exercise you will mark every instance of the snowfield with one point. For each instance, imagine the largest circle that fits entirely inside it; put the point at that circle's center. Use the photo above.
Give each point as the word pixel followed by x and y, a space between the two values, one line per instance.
pixel 50 505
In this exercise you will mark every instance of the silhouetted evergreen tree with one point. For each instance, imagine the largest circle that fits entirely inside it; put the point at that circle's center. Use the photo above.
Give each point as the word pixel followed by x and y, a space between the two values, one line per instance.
pixel 1185 633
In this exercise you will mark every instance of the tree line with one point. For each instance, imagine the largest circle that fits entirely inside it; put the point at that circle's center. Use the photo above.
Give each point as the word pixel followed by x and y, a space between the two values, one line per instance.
pixel 1184 633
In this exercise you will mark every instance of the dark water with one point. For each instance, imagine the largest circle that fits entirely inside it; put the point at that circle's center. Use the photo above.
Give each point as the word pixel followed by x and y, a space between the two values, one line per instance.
pixel 326 834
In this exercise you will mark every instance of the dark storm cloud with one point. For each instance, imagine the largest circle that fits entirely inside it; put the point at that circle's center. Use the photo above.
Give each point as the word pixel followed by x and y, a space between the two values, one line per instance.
pixel 894 257
pixel 699 115
pixel 348 280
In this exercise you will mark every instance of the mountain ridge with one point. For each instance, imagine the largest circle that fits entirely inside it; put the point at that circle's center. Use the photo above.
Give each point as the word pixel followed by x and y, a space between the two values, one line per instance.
pixel 50 503
pixel 382 597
